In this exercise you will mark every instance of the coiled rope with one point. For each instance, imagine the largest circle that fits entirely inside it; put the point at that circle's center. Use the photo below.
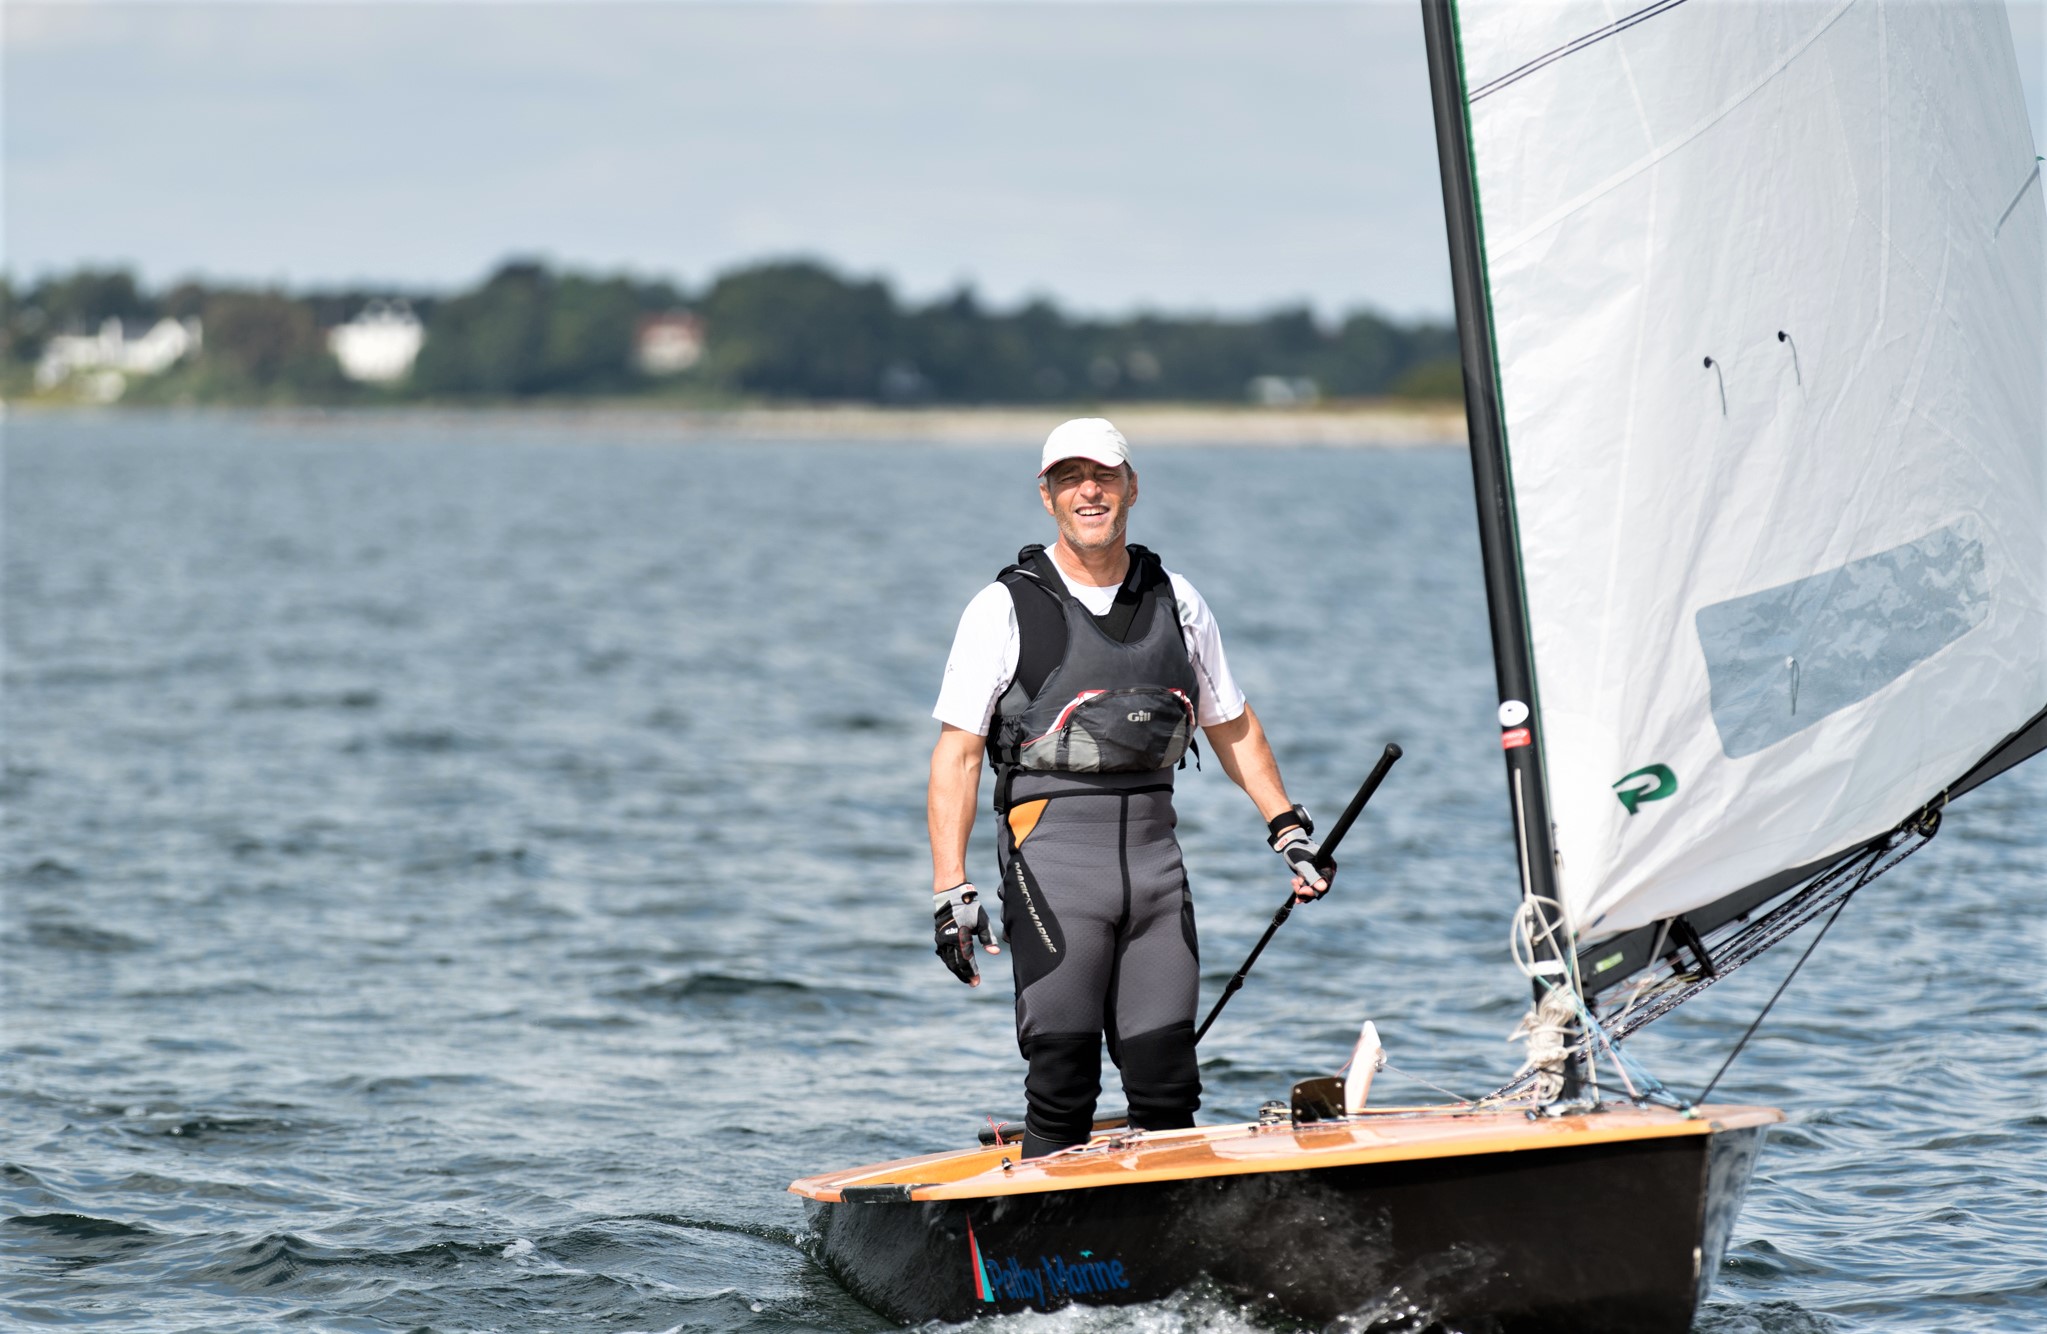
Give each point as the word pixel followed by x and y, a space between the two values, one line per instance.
pixel 1547 1026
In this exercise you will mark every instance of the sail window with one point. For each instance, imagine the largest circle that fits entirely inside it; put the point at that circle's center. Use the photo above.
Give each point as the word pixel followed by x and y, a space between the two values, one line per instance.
pixel 1782 659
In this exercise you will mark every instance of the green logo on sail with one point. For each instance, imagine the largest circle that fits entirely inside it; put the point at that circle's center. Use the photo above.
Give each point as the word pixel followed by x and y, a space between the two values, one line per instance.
pixel 1651 784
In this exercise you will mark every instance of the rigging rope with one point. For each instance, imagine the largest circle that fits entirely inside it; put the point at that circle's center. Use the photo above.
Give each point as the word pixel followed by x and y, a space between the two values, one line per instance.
pixel 1414 1078
pixel 1741 943
pixel 1706 1092
pixel 1736 943
pixel 1631 1071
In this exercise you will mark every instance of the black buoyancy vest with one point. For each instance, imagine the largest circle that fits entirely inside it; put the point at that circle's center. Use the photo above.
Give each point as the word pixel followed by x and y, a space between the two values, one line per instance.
pixel 1115 693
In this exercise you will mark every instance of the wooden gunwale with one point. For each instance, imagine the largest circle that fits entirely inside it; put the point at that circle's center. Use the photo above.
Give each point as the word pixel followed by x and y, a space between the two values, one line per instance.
pixel 1246 1149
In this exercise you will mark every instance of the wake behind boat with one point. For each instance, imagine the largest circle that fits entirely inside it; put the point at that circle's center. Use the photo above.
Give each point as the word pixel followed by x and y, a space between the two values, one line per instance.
pixel 1752 303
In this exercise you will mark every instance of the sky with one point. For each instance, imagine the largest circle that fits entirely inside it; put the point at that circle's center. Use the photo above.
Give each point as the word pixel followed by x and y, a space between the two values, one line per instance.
pixel 1177 156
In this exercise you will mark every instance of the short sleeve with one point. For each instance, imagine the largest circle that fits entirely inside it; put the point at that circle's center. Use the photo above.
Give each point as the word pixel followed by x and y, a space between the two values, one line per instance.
pixel 1221 700
pixel 982 662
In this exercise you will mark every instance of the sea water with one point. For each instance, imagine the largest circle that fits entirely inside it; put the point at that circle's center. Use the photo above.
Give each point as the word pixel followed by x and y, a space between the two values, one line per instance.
pixel 459 870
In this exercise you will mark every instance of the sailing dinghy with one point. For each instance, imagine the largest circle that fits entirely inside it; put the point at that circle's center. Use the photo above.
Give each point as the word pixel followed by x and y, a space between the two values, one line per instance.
pixel 1751 309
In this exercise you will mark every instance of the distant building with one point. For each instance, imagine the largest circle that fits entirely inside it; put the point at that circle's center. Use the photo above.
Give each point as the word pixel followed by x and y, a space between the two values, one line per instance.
pixel 669 343
pixel 1282 391
pixel 114 353
pixel 379 345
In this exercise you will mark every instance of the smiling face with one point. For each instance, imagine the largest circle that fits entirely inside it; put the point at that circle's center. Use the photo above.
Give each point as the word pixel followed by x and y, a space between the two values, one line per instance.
pixel 1090 502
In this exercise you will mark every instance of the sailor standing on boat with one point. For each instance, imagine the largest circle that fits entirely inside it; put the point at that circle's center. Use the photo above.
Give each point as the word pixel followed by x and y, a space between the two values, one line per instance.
pixel 1081 673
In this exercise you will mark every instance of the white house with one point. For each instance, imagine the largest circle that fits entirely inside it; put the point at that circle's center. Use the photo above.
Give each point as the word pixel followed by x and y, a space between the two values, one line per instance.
pixel 668 344
pixel 380 344
pixel 151 352
pixel 1281 391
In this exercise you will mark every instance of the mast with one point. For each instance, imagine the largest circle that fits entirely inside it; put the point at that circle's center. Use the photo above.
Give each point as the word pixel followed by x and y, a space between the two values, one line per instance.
pixel 1499 547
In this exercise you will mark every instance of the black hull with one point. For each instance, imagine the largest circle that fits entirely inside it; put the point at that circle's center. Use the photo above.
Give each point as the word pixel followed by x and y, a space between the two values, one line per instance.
pixel 1620 1237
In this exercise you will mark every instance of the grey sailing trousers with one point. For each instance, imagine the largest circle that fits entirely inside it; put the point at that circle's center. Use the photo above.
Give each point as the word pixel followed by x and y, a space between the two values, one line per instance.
pixel 1100 925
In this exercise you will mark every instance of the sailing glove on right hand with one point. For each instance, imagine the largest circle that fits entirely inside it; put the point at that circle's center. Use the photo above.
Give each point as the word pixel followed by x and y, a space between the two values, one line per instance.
pixel 1313 872
pixel 958 920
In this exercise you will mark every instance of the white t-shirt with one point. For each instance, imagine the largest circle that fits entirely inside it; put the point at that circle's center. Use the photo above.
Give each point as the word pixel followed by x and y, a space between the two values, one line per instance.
pixel 984 652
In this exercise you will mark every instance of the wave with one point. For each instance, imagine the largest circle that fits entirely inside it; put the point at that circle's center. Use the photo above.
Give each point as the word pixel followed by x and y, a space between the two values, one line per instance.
pixel 712 988
pixel 1775 1317
pixel 79 938
pixel 206 1127
pixel 221 990
pixel 76 1241
pixel 294 700
pixel 382 1086
pixel 571 1023
pixel 46 871
pixel 278 1258
pixel 77 1227
pixel 781 1236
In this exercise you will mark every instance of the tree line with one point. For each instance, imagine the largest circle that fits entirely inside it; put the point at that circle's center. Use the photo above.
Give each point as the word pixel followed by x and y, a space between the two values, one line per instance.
pixel 780 331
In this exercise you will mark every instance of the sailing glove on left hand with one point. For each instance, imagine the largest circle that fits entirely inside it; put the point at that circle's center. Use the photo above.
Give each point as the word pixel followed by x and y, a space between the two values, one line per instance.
pixel 1313 872
pixel 958 920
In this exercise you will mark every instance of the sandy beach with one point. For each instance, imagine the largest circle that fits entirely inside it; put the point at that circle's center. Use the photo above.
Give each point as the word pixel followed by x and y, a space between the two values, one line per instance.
pixel 1379 424
pixel 1374 425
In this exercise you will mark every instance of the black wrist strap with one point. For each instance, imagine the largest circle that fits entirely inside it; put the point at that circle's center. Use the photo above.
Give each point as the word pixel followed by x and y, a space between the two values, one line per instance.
pixel 1285 820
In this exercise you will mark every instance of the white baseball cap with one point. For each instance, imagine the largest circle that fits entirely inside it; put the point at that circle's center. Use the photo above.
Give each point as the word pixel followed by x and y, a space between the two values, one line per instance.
pixel 1085 438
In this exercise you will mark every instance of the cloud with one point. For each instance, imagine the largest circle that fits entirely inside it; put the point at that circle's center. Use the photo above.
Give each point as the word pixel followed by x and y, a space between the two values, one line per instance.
pixel 1177 155
pixel 1174 155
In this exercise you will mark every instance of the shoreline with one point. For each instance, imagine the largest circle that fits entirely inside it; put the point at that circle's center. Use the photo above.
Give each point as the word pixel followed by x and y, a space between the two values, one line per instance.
pixel 1370 425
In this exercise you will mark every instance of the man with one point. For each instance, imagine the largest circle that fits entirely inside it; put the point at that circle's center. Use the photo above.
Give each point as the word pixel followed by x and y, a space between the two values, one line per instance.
pixel 1081 673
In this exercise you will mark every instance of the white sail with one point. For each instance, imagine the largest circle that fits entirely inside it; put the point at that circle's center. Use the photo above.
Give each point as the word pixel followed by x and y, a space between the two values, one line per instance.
pixel 1767 290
